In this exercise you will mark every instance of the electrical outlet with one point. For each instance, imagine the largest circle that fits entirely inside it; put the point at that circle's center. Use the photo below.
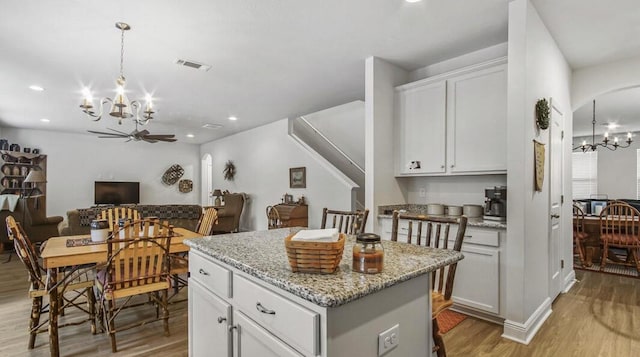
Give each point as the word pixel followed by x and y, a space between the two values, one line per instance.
pixel 422 192
pixel 388 340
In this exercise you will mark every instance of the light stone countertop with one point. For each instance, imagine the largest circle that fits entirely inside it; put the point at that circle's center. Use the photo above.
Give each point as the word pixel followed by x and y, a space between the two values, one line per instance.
pixel 262 254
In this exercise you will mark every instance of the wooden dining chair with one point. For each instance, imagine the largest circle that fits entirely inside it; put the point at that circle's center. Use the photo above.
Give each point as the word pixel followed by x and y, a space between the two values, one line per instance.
pixel 113 215
pixel 433 231
pixel 579 235
pixel 273 218
pixel 208 219
pixel 137 264
pixel 620 228
pixel 75 287
pixel 348 222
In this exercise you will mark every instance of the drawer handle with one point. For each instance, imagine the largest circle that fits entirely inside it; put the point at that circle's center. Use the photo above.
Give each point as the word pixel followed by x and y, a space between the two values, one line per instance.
pixel 264 310
pixel 468 236
pixel 221 319
pixel 203 272
pixel 232 327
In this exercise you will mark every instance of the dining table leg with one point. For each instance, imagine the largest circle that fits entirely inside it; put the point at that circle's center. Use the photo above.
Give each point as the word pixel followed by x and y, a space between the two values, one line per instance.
pixel 54 348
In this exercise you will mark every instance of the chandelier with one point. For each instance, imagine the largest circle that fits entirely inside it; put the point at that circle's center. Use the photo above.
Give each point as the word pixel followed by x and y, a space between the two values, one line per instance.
pixel 121 107
pixel 605 143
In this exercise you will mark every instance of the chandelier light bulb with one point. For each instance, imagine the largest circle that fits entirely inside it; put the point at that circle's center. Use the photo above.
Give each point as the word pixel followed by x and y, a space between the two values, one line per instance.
pixel 606 134
pixel 615 140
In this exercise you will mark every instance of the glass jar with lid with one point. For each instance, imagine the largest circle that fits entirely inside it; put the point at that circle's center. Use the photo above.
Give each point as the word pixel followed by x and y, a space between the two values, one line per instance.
pixel 368 254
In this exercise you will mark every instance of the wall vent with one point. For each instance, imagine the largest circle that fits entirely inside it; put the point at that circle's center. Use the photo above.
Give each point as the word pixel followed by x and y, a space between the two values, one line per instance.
pixel 212 126
pixel 193 64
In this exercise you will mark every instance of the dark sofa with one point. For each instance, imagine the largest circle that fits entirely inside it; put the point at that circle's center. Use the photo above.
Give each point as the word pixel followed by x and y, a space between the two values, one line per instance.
pixel 34 220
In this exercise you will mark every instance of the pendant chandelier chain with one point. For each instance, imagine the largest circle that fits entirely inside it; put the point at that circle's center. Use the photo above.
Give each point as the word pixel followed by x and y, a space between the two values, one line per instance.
pixel 122 54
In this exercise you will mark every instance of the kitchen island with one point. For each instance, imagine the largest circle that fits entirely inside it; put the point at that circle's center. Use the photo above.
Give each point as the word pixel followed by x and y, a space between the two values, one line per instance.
pixel 245 301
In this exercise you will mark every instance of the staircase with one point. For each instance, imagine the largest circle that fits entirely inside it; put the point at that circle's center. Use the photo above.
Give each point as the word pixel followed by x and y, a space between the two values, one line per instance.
pixel 341 149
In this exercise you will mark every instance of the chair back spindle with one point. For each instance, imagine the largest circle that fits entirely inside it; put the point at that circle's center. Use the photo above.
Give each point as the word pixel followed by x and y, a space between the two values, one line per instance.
pixel 348 222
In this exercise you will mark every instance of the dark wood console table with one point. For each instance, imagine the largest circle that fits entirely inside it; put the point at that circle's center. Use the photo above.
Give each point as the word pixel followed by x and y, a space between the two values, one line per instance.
pixel 293 215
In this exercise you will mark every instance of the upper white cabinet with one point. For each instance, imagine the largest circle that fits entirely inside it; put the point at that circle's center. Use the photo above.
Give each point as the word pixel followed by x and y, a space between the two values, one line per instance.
pixel 454 123
pixel 422 128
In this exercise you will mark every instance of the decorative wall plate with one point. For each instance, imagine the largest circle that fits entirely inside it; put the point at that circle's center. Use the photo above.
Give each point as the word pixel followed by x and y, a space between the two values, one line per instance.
pixel 172 175
pixel 185 186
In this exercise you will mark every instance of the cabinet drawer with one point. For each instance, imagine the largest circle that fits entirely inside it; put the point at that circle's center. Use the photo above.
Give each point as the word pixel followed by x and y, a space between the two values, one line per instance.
pixel 481 236
pixel 211 275
pixel 296 325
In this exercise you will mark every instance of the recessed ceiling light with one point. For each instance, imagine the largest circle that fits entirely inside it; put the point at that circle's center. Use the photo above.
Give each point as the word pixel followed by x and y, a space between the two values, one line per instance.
pixel 45 120
pixel 412 0
pixel 232 118
pixel 36 88
pixel 612 126
pixel 190 136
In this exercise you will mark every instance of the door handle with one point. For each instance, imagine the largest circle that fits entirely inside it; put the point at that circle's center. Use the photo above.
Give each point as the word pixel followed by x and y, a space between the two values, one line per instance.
pixel 555 216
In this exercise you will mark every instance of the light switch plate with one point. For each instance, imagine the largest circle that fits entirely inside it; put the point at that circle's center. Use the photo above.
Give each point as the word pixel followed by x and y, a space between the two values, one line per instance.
pixel 388 340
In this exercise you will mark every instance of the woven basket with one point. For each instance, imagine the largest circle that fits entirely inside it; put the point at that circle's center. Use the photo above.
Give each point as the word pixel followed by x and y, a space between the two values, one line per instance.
pixel 314 257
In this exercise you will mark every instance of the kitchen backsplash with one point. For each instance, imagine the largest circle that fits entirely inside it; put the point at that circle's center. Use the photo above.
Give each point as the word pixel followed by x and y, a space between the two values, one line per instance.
pixel 451 190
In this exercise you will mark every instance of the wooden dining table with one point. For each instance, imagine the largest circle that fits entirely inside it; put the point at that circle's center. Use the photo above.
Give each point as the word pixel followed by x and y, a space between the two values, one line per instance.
pixel 56 254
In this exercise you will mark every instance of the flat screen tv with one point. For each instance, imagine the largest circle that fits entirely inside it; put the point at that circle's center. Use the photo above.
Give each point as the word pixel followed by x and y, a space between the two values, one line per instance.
pixel 116 193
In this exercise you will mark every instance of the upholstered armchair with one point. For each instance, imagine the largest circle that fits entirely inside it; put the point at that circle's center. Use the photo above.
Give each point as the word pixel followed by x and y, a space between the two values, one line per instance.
pixel 34 220
pixel 229 214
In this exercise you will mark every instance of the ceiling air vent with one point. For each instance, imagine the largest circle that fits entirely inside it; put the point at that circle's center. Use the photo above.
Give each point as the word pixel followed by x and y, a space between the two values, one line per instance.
pixel 212 126
pixel 193 64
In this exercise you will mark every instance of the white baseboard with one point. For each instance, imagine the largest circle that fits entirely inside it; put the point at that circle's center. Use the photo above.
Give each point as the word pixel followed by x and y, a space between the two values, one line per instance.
pixel 569 281
pixel 524 332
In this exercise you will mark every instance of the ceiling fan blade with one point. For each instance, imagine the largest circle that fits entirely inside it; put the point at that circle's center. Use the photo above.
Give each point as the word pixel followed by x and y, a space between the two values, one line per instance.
pixel 169 140
pixel 150 140
pixel 143 133
pixel 118 131
pixel 102 133
pixel 160 136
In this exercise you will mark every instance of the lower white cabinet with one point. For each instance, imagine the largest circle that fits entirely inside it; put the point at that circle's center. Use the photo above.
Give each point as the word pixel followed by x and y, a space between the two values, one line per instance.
pixel 208 324
pixel 251 340
pixel 480 277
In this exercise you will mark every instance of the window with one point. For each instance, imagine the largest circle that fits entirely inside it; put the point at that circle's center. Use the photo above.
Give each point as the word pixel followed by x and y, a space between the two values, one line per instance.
pixel 585 174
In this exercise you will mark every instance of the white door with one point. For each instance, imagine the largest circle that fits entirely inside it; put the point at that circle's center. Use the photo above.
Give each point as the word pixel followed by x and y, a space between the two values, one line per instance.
pixel 555 201
pixel 207 180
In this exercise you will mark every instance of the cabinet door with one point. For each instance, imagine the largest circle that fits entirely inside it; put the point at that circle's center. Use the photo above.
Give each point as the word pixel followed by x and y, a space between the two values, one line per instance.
pixel 252 340
pixel 422 134
pixel 477 121
pixel 477 280
pixel 207 336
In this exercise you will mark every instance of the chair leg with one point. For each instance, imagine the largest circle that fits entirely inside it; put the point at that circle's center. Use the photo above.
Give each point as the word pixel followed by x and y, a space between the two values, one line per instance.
pixel 111 325
pixel 91 302
pixel 36 307
pixel 176 284
pixel 437 339
pixel 605 253
pixel 580 249
pixel 165 312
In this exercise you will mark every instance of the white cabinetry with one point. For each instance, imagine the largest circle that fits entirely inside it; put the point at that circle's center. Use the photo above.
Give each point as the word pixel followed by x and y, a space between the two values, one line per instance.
pixel 454 123
pixel 422 128
pixel 235 314
pixel 480 276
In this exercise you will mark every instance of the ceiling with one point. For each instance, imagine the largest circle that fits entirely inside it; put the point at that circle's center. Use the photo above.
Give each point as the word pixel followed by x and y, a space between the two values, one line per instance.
pixel 270 59
pixel 621 107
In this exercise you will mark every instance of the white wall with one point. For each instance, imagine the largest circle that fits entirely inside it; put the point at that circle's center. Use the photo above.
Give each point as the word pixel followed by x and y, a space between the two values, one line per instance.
pixel 262 157
pixel 75 161
pixel 590 82
pixel 381 186
pixel 451 190
pixel 536 69
pixel 343 125
pixel 616 169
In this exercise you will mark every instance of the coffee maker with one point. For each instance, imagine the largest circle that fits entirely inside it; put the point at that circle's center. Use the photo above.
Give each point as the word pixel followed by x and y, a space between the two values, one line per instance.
pixel 495 203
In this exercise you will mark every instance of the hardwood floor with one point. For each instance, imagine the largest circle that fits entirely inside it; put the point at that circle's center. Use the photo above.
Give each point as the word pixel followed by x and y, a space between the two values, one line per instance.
pixel 598 317
pixel 147 340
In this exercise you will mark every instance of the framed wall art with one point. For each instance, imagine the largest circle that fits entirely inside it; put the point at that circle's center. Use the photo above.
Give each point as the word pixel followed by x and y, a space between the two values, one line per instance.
pixel 298 177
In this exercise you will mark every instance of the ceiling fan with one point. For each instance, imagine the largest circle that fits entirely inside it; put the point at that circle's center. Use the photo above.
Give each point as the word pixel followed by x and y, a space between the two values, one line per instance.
pixel 136 135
